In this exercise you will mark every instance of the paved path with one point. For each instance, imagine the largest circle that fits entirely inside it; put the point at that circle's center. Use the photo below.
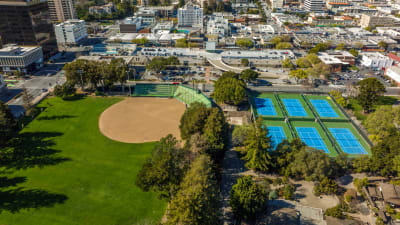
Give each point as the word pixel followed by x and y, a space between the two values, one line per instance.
pixel 232 169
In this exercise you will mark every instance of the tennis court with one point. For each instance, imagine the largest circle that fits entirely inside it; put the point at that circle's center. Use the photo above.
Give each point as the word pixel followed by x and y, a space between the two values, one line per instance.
pixel 311 137
pixel 277 135
pixel 323 108
pixel 294 107
pixel 265 107
pixel 347 141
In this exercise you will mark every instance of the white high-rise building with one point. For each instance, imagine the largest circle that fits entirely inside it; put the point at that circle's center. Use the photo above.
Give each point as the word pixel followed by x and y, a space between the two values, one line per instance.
pixel 314 5
pixel 190 16
pixel 70 32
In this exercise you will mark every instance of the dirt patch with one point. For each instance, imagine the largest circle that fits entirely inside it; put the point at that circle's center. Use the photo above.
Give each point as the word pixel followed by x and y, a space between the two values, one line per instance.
pixel 138 120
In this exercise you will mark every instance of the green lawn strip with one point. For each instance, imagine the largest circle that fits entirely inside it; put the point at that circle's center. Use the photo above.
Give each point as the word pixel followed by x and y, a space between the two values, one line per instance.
pixel 325 139
pixel 282 124
pixel 274 103
pixel 331 103
pixel 353 130
pixel 97 180
pixel 303 103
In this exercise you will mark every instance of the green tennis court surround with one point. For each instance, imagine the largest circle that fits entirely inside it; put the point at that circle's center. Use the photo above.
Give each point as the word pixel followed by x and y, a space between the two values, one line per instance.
pixel 305 115
pixel 182 93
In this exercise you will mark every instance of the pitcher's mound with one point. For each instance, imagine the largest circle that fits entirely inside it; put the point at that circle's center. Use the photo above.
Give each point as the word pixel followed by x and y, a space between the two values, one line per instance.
pixel 137 120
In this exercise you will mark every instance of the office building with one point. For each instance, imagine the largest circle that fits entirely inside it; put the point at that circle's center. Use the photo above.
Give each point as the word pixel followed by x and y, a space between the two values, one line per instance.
pixel 62 10
pixel 190 16
pixel 376 60
pixel 130 25
pixel 102 10
pixel 20 58
pixel 27 23
pixel 70 32
pixel 314 5
pixel 3 86
pixel 375 21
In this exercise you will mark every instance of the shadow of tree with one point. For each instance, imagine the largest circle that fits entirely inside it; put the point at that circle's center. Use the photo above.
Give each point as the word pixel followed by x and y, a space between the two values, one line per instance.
pixel 55 117
pixel 7 182
pixel 75 97
pixel 32 149
pixel 17 199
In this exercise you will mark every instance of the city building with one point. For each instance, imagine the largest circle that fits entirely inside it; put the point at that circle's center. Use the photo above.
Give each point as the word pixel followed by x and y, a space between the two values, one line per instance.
pixel 27 22
pixel 376 60
pixel 103 9
pixel 62 10
pixel 374 21
pixel 337 60
pixel 148 16
pixel 393 73
pixel 190 16
pixel 217 25
pixel 70 32
pixel 20 58
pixel 130 25
pixel 314 5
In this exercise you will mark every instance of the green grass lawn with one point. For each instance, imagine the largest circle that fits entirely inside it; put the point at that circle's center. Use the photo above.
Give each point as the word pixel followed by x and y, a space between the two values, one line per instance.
pixel 69 173
pixel 355 106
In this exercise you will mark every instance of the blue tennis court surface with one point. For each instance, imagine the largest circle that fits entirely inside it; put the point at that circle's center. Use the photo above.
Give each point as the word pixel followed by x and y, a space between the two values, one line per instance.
pixel 294 107
pixel 347 141
pixel 323 108
pixel 277 135
pixel 310 136
pixel 265 106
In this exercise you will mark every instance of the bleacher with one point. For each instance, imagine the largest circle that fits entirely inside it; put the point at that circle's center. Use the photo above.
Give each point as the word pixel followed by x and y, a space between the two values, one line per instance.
pixel 154 90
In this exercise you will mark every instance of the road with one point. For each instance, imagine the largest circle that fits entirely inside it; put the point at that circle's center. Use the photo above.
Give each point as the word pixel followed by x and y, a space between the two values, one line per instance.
pixel 35 86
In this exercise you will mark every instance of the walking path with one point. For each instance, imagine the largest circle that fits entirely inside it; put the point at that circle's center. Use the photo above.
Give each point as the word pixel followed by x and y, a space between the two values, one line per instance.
pixel 233 167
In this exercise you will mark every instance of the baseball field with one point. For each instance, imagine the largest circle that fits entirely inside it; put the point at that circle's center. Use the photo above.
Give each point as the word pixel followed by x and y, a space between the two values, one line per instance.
pixel 70 173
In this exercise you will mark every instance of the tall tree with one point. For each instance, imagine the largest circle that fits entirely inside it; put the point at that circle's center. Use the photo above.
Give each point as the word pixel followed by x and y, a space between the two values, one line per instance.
pixel 229 90
pixel 247 199
pixel 75 72
pixel 27 99
pixel 197 201
pixel 249 75
pixel 120 71
pixel 215 130
pixel 257 148
pixel 382 121
pixel 164 171
pixel 298 74
pixel 7 124
pixel 193 120
pixel 369 91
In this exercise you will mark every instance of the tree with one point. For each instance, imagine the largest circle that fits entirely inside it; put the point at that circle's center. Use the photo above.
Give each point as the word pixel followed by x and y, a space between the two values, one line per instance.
pixel 318 70
pixel 164 171
pixel 313 58
pixel 75 72
pixel 286 63
pixel 7 124
pixel 193 120
pixel 247 198
pixel 181 3
pixel 326 186
pixel 284 45
pixel 396 164
pixel 369 91
pixel 312 165
pixel 27 99
pixel 354 52
pixel 383 44
pixel 197 201
pixel 298 74
pixel 257 148
pixel 338 97
pixel 181 43
pixel 215 130
pixel 288 191
pixel 340 46
pixel 229 90
pixel 244 42
pixel 240 134
pixel 303 63
pixel 368 28
pixel 120 71
pixel 320 47
pixel 244 62
pixel 249 75
pixel 382 121
pixel 64 91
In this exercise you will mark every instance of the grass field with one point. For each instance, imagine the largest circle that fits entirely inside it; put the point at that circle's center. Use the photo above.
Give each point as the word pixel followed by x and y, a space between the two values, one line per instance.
pixel 71 174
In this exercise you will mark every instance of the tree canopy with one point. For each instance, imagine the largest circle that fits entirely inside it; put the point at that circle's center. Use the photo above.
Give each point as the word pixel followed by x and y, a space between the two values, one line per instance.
pixel 229 90
pixel 249 75
pixel 244 42
pixel 369 91
pixel 7 124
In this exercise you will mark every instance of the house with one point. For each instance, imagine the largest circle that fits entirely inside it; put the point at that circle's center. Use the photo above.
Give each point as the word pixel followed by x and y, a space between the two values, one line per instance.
pixel 390 193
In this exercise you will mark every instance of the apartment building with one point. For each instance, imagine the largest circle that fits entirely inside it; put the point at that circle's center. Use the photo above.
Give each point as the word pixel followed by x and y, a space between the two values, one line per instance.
pixel 70 32
pixel 190 16
pixel 62 10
